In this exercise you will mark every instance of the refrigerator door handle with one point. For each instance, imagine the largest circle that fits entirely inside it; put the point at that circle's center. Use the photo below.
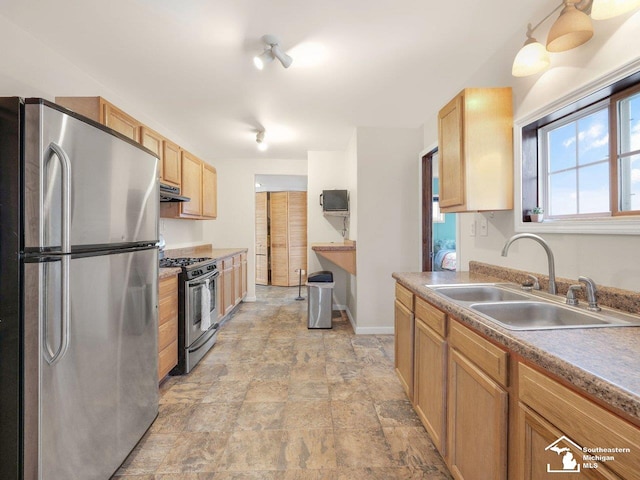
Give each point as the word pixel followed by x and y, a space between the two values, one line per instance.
pixel 53 357
pixel 66 194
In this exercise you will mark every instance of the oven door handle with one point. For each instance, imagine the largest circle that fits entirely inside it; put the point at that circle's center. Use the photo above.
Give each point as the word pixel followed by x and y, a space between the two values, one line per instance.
pixel 202 281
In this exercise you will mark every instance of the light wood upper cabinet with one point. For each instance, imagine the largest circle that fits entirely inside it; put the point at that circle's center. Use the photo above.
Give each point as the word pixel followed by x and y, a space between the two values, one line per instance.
pixel 209 191
pixel 121 122
pixel 100 110
pixel 171 163
pixel 191 184
pixel 475 142
pixel 153 141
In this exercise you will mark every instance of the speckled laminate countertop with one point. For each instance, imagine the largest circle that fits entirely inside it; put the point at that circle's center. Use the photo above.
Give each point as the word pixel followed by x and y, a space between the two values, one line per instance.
pixel 199 251
pixel 604 362
pixel 347 246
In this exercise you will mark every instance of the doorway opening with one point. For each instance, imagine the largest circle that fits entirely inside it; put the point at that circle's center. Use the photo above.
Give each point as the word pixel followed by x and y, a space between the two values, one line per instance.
pixel 438 228
pixel 281 229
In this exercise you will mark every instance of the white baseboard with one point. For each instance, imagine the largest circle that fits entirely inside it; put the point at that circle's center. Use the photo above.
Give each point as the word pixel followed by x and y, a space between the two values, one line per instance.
pixel 364 330
pixel 374 330
pixel 249 299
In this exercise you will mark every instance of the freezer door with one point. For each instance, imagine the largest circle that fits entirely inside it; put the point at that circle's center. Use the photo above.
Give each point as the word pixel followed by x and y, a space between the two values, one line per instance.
pixel 87 408
pixel 112 191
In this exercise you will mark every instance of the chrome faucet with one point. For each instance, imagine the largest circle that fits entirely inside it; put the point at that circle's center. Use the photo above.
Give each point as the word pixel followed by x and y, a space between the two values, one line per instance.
pixel 545 245
pixel 590 286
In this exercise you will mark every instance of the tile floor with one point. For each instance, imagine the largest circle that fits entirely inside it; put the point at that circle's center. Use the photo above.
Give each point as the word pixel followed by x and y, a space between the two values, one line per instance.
pixel 274 400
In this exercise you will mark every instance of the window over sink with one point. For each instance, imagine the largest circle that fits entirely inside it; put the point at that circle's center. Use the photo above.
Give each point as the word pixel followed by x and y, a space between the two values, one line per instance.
pixel 581 161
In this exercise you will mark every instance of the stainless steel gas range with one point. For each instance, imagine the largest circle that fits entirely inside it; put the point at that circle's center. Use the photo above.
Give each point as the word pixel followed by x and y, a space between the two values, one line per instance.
pixel 197 297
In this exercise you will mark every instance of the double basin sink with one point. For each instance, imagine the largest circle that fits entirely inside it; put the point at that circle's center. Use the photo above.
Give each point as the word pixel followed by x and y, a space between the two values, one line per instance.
pixel 505 305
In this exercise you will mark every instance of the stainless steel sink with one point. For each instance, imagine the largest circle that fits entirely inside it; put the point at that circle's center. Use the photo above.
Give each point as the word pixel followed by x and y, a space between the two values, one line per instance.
pixel 478 293
pixel 532 315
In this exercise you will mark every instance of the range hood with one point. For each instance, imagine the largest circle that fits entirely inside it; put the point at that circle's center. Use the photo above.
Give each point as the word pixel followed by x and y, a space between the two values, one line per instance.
pixel 169 193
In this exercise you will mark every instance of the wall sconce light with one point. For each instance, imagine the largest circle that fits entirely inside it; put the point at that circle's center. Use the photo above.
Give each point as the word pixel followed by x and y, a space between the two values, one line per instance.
pixel 272 51
pixel 262 145
pixel 572 28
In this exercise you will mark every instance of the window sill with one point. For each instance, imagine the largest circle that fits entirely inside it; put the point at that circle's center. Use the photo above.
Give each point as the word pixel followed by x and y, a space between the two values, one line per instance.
pixel 599 226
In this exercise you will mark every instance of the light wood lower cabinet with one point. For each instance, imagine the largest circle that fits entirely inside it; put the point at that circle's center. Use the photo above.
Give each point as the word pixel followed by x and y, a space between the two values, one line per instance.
pixel 536 435
pixel 429 385
pixel 404 334
pixel 228 296
pixel 167 325
pixel 476 422
pixel 243 268
pixel 561 412
pixel 237 279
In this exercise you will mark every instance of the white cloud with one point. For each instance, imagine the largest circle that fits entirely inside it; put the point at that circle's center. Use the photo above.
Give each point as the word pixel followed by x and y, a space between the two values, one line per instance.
pixel 635 175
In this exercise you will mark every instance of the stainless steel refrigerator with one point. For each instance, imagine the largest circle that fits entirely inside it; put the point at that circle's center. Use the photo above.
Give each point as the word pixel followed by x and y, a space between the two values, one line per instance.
pixel 78 294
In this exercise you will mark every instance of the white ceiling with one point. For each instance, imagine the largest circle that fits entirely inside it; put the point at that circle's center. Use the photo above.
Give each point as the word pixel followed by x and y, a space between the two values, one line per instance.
pixel 188 63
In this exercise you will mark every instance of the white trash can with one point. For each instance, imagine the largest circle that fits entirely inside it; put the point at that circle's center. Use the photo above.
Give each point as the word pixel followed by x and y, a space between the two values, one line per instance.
pixel 320 299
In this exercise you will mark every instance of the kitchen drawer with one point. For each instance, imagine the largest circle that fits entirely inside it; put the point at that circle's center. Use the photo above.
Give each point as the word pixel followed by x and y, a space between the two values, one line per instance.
pixel 167 359
pixel 490 358
pixel 431 316
pixel 167 333
pixel 404 296
pixel 583 421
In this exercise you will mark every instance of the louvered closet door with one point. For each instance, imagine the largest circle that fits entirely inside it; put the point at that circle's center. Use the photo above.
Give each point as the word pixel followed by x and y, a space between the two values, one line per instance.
pixel 279 237
pixel 297 207
pixel 262 240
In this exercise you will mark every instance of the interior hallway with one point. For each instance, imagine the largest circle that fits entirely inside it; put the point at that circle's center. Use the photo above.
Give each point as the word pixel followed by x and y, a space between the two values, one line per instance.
pixel 274 400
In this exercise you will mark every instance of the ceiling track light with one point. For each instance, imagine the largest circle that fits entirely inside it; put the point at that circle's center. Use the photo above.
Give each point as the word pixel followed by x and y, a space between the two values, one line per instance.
pixel 262 145
pixel 570 30
pixel 272 50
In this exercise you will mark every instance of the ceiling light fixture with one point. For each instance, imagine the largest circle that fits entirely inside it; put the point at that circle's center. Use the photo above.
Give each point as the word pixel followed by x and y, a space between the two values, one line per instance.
pixel 572 29
pixel 262 145
pixel 272 51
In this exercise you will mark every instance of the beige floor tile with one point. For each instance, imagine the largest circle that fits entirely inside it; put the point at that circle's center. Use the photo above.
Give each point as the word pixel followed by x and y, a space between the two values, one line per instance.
pixel 358 414
pixel 350 390
pixel 250 450
pixel 307 415
pixel 172 417
pixel 185 393
pixel 274 400
pixel 308 390
pixel 397 413
pixel 195 452
pixel 213 417
pixel 273 371
pixel 148 454
pixel 261 416
pixel 362 448
pixel 411 446
pixel 267 391
pixel 224 391
pixel 308 449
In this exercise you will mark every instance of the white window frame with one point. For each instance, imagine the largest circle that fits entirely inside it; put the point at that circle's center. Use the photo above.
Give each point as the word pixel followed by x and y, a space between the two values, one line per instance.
pixel 618 225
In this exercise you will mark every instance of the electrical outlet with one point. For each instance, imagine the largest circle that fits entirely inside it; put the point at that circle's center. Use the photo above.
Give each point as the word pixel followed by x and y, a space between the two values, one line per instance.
pixel 472 232
pixel 484 226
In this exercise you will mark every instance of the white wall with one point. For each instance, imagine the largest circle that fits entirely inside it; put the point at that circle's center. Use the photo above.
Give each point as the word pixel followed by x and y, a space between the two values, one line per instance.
pixel 326 171
pixel 388 220
pixel 235 225
pixel 609 259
